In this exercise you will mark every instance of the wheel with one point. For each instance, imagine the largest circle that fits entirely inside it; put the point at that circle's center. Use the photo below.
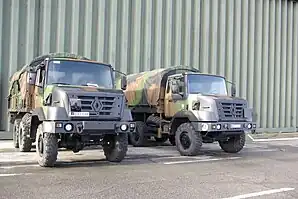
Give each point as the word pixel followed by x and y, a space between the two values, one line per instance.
pixel 15 133
pixel 25 142
pixel 172 140
pixel 46 148
pixel 138 138
pixel 116 148
pixel 162 139
pixel 234 144
pixel 188 141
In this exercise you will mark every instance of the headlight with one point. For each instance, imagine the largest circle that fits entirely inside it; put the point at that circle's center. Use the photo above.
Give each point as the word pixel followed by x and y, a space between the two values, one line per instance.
pixel 123 127
pixel 68 127
pixel 204 127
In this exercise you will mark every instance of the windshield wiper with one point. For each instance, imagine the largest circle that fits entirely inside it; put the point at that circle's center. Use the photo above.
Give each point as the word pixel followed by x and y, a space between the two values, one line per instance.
pixel 90 84
pixel 61 83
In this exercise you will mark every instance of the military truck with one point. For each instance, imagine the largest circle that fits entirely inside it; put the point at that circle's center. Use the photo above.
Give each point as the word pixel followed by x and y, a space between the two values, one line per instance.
pixel 187 107
pixel 64 100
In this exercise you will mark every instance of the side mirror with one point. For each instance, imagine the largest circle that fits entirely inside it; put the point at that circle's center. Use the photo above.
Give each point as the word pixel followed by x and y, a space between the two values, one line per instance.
pixel 123 82
pixel 233 90
pixel 31 78
pixel 176 96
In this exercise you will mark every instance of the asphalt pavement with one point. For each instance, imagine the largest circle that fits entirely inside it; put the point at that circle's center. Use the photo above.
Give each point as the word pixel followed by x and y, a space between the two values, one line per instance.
pixel 260 170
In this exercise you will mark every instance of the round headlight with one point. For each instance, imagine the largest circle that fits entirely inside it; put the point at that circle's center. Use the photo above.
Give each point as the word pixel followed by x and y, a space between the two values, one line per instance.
pixel 249 126
pixel 218 126
pixel 204 127
pixel 68 127
pixel 123 127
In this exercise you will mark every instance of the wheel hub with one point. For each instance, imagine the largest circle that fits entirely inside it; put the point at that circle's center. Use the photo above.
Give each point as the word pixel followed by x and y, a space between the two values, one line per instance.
pixel 185 140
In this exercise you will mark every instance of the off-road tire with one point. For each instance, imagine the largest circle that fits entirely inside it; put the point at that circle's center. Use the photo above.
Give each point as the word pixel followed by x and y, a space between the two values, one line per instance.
pixel 15 133
pixel 140 133
pixel 195 139
pixel 25 142
pixel 47 155
pixel 172 140
pixel 117 149
pixel 234 144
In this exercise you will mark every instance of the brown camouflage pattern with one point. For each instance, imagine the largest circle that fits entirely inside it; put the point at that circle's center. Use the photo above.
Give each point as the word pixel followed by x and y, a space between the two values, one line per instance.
pixel 148 88
pixel 24 97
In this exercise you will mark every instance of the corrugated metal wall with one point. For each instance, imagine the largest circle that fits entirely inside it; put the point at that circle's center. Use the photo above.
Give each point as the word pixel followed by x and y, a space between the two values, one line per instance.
pixel 252 42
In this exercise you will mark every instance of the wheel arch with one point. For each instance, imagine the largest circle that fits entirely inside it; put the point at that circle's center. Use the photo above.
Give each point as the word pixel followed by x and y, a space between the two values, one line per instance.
pixel 181 117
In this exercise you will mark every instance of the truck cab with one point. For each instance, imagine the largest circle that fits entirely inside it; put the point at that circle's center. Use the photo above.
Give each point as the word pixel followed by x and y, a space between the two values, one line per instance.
pixel 70 103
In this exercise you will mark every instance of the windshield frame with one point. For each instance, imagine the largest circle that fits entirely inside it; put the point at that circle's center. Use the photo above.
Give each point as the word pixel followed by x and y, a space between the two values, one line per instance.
pixel 210 75
pixel 74 60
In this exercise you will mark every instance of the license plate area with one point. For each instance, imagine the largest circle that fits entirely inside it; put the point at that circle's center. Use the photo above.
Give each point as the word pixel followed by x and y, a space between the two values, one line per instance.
pixel 235 126
pixel 79 114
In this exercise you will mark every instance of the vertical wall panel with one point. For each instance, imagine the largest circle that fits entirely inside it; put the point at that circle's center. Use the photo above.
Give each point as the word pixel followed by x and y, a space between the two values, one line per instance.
pixel 251 42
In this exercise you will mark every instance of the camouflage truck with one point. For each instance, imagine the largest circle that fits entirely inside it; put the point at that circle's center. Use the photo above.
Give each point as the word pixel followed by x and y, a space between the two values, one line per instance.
pixel 63 100
pixel 187 107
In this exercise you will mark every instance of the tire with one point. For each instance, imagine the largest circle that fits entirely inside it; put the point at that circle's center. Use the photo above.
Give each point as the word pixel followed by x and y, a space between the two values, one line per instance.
pixel 172 140
pixel 15 133
pixel 234 144
pixel 138 138
pixel 25 142
pixel 46 148
pixel 117 149
pixel 188 141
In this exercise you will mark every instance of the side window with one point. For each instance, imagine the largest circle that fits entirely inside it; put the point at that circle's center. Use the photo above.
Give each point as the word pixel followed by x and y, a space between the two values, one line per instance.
pixel 39 77
pixel 168 86
pixel 181 84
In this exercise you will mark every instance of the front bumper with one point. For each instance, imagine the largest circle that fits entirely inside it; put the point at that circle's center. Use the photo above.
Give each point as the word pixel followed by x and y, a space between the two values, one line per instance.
pixel 224 126
pixel 88 127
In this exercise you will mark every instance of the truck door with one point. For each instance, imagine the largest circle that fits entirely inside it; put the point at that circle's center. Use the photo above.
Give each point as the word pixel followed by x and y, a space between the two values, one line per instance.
pixel 171 97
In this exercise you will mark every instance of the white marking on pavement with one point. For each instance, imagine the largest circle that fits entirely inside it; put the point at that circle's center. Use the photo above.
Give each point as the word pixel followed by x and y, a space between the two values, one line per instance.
pixel 271 139
pixel 13 174
pixel 274 139
pixel 202 160
pixel 251 137
pixel 261 193
pixel 19 166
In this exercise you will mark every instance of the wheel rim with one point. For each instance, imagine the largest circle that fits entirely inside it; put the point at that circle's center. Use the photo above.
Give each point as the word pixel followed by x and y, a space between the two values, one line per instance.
pixel 40 145
pixel 185 140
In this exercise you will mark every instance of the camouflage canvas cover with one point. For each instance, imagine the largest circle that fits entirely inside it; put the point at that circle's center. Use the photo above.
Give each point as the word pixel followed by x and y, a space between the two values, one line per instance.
pixel 20 92
pixel 147 88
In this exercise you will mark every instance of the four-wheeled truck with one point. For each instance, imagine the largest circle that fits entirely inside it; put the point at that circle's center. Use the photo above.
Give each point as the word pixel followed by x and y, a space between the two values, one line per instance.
pixel 187 107
pixel 63 100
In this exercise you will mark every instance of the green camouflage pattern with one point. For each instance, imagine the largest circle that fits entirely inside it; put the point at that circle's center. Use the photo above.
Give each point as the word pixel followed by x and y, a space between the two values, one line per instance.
pixel 148 88
pixel 22 96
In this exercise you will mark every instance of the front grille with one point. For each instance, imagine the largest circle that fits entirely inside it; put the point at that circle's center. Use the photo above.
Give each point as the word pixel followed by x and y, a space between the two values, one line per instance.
pixel 101 107
pixel 97 105
pixel 229 111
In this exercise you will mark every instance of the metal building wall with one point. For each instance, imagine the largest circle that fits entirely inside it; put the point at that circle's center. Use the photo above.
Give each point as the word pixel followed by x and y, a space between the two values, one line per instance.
pixel 252 42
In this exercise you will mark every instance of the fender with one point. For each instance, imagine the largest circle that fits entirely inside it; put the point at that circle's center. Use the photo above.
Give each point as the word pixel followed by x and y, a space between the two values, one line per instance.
pixel 185 114
pixel 127 116
pixel 39 113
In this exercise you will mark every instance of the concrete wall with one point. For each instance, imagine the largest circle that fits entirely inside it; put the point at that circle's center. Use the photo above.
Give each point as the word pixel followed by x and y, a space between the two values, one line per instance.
pixel 252 42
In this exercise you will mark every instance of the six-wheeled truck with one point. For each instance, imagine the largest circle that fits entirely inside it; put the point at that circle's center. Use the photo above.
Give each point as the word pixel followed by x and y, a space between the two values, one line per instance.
pixel 187 107
pixel 63 100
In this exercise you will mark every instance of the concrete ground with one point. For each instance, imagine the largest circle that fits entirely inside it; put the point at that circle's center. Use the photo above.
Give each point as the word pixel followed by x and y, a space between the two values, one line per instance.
pixel 260 170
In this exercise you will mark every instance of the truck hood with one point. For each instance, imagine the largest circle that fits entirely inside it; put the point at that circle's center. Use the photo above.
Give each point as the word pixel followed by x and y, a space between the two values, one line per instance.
pixel 75 88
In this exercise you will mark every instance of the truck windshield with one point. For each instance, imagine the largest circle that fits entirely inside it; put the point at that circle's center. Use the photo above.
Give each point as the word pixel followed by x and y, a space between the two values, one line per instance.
pixel 206 84
pixel 79 73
